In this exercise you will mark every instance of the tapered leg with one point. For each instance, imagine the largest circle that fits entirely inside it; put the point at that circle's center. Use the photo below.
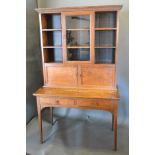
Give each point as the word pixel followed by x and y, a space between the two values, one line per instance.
pixel 112 122
pixel 52 109
pixel 40 121
pixel 115 131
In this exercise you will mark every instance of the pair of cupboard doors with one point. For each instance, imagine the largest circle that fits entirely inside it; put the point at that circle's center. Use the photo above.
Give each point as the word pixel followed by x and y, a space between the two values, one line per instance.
pixel 87 76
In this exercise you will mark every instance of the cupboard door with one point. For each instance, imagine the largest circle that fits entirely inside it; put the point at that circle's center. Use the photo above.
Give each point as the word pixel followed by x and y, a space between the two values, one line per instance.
pixel 97 76
pixel 61 75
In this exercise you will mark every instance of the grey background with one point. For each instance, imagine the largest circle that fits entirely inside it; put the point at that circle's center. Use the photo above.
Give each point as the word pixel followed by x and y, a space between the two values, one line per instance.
pixel 33 58
pixel 34 68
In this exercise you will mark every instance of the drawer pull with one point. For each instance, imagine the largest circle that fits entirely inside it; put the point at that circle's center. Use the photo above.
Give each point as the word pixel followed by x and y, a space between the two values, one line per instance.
pixel 57 102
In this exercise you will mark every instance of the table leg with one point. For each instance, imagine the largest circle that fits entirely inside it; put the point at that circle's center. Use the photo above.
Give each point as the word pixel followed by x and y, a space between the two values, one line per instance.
pixel 115 131
pixel 40 121
pixel 112 122
pixel 52 115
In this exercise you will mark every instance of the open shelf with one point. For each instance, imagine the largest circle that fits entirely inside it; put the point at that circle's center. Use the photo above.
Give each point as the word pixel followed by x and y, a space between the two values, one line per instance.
pixel 51 21
pixel 52 38
pixel 105 56
pixel 105 19
pixel 53 55
pixel 105 38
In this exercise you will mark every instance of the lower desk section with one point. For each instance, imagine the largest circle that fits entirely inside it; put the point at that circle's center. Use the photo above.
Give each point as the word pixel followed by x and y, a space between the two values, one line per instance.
pixel 104 104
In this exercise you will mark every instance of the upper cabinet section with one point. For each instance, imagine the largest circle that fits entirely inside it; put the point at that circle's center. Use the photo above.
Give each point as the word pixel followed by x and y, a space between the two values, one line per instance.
pixel 79 34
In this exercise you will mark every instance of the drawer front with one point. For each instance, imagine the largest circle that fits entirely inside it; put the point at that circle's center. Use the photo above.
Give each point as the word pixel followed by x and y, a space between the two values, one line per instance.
pixel 47 101
pixel 105 104
pixel 81 103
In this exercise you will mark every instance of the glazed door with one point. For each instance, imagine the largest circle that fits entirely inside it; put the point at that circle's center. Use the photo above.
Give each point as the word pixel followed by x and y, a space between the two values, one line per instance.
pixel 78 43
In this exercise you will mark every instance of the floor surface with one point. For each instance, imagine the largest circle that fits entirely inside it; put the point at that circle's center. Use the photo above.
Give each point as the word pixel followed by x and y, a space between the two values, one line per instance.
pixel 75 137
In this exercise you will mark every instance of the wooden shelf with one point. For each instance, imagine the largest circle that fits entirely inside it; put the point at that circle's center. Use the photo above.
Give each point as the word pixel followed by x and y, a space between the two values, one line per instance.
pixel 78 29
pixel 78 46
pixel 105 28
pixel 105 47
pixel 51 29
pixel 52 46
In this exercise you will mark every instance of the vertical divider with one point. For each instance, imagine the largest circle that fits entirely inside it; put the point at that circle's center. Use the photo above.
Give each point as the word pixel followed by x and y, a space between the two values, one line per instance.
pixel 116 49
pixel 64 50
pixel 42 50
pixel 92 37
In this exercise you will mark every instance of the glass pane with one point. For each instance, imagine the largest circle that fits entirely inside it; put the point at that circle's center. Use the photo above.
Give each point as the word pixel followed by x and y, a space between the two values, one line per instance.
pixel 78 38
pixel 105 38
pixel 53 55
pixel 105 19
pixel 105 55
pixel 78 54
pixel 78 22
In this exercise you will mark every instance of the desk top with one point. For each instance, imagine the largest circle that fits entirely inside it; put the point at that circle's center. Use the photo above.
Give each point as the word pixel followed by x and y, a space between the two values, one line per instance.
pixel 77 93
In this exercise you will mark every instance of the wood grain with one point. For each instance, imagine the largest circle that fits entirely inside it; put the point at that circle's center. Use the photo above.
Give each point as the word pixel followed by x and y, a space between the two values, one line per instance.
pixel 84 8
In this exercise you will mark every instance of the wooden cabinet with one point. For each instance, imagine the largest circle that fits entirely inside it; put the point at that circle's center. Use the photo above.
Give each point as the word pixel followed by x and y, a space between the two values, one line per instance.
pixel 79 57
pixel 80 37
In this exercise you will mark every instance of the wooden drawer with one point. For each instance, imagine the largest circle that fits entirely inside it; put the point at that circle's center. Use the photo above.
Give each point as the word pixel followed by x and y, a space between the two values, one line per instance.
pixel 105 104
pixel 56 101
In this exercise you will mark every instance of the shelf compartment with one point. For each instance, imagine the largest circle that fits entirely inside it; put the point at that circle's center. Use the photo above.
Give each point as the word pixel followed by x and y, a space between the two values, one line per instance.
pixel 105 56
pixel 78 22
pixel 105 19
pixel 78 54
pixel 51 21
pixel 105 38
pixel 52 38
pixel 53 55
pixel 78 38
